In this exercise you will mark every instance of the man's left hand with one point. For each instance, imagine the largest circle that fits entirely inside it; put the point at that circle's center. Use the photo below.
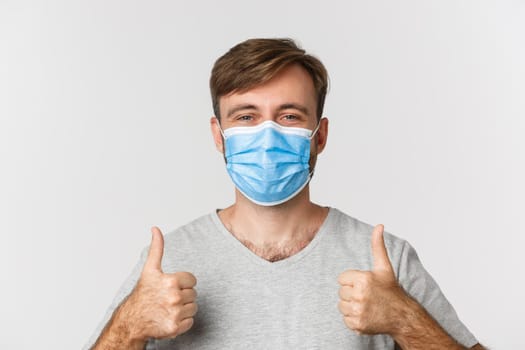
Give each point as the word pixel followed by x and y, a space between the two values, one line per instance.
pixel 371 301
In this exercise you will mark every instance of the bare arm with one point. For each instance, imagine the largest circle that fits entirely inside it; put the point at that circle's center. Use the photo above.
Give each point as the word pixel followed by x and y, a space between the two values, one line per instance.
pixel 117 334
pixel 418 330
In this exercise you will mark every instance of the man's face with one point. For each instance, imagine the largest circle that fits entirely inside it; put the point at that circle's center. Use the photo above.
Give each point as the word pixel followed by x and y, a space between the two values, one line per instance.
pixel 288 99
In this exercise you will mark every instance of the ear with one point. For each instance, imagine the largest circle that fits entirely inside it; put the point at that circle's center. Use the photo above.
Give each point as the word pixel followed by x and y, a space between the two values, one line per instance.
pixel 322 134
pixel 216 133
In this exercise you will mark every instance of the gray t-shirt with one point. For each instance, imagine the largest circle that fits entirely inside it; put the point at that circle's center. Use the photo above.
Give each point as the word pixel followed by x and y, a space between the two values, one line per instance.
pixel 246 302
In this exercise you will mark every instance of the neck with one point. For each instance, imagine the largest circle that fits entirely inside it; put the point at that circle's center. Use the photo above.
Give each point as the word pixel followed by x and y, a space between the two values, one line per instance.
pixel 274 232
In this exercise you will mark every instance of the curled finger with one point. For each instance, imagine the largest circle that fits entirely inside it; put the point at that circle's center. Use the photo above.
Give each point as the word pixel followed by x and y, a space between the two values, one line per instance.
pixel 188 295
pixel 345 293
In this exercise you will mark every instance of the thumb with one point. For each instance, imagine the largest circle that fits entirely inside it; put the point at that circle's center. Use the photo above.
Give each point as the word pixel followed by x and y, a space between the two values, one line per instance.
pixel 156 250
pixel 379 253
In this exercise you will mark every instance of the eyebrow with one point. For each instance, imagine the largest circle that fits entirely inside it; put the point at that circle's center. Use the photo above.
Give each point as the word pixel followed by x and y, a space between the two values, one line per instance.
pixel 284 106
pixel 296 106
pixel 240 107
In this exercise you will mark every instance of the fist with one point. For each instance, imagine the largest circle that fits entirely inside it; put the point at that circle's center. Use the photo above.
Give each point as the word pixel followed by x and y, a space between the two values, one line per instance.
pixel 162 305
pixel 371 301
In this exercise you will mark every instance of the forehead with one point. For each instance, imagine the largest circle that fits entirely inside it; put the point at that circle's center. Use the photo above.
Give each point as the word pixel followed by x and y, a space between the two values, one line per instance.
pixel 293 84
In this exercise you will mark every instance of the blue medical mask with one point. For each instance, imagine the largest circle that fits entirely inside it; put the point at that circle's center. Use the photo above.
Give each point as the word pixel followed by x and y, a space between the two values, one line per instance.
pixel 268 163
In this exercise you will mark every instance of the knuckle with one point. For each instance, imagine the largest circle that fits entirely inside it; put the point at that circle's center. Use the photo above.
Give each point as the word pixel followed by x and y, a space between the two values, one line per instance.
pixel 359 296
pixel 174 299
pixel 185 326
pixel 171 326
pixel 171 282
pixel 175 314
pixel 359 309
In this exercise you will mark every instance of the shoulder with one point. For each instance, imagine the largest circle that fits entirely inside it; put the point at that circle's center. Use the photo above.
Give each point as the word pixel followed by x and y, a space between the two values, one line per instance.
pixel 354 235
pixel 188 243
pixel 200 226
pixel 358 230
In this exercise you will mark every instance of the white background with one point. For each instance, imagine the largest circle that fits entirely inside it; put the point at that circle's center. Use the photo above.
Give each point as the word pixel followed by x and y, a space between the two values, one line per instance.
pixel 104 109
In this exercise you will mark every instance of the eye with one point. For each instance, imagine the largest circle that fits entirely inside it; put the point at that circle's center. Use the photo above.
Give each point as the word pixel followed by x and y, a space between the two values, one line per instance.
pixel 245 118
pixel 291 119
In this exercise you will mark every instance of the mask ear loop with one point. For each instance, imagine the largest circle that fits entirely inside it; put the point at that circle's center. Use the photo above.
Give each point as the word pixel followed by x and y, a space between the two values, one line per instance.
pixel 223 139
pixel 220 128
pixel 315 130
pixel 311 174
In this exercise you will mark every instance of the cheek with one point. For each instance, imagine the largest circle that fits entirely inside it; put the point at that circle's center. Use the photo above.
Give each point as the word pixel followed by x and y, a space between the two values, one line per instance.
pixel 221 142
pixel 313 160
pixel 313 147
pixel 313 153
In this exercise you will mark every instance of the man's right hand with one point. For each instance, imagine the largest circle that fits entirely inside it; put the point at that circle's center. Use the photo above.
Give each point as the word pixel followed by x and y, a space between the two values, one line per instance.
pixel 162 305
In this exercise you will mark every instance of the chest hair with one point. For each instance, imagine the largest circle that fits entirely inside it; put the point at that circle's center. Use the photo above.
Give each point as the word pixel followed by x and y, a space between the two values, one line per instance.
pixel 278 251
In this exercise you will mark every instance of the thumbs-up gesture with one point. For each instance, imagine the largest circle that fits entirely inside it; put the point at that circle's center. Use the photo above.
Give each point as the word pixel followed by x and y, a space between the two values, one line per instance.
pixel 371 301
pixel 162 305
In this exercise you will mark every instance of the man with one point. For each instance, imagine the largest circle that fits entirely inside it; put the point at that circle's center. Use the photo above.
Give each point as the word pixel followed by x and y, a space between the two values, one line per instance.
pixel 274 270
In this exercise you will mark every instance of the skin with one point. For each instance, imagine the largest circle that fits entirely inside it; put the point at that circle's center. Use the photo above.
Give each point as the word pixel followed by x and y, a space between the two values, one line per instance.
pixel 162 305
pixel 371 302
pixel 276 230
